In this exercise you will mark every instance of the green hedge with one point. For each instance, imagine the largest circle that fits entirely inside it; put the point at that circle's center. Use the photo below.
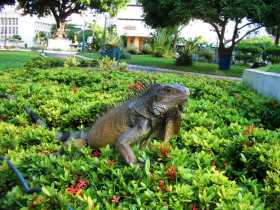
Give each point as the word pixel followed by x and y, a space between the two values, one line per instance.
pixel 226 156
pixel 253 49
pixel 273 54
pixel 52 62
pixel 248 53
pixel 249 49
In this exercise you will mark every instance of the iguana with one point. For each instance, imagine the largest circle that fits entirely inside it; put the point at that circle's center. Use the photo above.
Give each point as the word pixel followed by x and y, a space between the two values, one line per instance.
pixel 155 113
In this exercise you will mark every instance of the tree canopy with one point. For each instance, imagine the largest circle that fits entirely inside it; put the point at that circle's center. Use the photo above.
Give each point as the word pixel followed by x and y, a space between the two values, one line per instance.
pixel 62 9
pixel 218 13
pixel 6 2
pixel 110 6
pixel 271 20
pixel 166 13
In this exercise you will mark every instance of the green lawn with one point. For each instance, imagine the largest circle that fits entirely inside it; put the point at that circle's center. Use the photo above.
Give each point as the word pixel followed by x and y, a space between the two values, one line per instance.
pixel 93 55
pixel 207 68
pixel 12 59
pixel 272 68
pixel 199 67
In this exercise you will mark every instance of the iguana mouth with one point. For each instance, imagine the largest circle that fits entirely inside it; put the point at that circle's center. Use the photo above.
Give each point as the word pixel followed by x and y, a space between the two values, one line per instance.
pixel 184 91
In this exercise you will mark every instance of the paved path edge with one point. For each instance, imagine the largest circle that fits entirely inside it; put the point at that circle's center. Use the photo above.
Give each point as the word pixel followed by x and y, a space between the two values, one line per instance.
pixel 132 67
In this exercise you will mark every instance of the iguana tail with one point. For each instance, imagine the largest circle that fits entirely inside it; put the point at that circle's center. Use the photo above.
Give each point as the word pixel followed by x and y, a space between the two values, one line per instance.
pixel 36 119
pixel 66 136
pixel 7 96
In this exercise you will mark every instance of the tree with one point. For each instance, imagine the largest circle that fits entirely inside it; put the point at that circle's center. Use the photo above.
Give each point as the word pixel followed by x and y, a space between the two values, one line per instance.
pixel 166 13
pixel 16 38
pixel 70 31
pixel 272 19
pixel 6 2
pixel 275 32
pixel 164 41
pixel 218 13
pixel 97 36
pixel 62 9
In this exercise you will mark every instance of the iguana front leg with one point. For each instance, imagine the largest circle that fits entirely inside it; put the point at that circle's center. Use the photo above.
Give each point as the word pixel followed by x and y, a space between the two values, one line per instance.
pixel 131 136
pixel 167 128
pixel 172 128
pixel 172 125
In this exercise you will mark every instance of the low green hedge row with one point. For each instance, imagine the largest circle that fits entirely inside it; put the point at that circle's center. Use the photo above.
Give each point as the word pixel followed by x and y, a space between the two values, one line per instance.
pixel 273 54
pixel 226 156
pixel 52 62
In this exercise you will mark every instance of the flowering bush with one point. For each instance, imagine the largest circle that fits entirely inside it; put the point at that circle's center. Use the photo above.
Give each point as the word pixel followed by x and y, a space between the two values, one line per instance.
pixel 225 157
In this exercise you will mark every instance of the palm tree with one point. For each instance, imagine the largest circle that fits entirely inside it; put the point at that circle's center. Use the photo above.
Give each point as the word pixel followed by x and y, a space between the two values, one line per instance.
pixel 41 38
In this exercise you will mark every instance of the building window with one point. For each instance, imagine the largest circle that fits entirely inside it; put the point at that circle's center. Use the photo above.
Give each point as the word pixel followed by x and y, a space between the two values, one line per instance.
pixel 16 30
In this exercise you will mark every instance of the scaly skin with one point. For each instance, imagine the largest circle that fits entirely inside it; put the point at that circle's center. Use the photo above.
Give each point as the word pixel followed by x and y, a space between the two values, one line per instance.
pixel 156 114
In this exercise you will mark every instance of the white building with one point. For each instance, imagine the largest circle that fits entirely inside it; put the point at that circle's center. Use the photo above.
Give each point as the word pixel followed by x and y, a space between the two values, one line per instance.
pixel 130 24
pixel 12 22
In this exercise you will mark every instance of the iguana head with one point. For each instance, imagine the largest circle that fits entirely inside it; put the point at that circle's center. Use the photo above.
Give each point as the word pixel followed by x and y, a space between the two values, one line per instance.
pixel 158 99
pixel 167 97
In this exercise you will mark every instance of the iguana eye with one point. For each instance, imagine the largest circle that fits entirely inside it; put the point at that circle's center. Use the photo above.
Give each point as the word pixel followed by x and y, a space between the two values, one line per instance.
pixel 169 90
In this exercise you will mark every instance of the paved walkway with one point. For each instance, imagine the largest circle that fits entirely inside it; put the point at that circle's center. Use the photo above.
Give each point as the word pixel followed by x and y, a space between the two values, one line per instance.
pixel 162 70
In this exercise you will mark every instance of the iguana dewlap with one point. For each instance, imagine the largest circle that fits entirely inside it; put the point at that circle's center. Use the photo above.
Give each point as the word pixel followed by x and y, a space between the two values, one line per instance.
pixel 155 113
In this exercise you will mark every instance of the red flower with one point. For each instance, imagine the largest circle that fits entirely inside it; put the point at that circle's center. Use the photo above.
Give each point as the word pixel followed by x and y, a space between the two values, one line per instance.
pixel 81 184
pixel 249 130
pixel 76 190
pixel 162 185
pixel 115 199
pixel 96 153
pixel 164 150
pixel 73 190
pixel 136 86
pixel 171 173
pixel 194 207
pixel 139 85
pixel 111 162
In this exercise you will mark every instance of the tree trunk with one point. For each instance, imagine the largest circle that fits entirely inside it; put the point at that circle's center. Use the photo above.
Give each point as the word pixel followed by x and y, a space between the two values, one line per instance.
pixel 225 57
pixel 174 45
pixel 277 37
pixel 60 33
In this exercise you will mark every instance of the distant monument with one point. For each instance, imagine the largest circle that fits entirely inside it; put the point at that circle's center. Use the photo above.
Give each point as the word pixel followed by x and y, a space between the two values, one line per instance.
pixel 59 41
pixel 59 44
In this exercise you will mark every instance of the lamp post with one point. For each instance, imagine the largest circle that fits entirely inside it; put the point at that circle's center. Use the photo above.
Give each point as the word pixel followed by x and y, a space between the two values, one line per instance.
pixel 104 31
pixel 5 29
pixel 83 29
